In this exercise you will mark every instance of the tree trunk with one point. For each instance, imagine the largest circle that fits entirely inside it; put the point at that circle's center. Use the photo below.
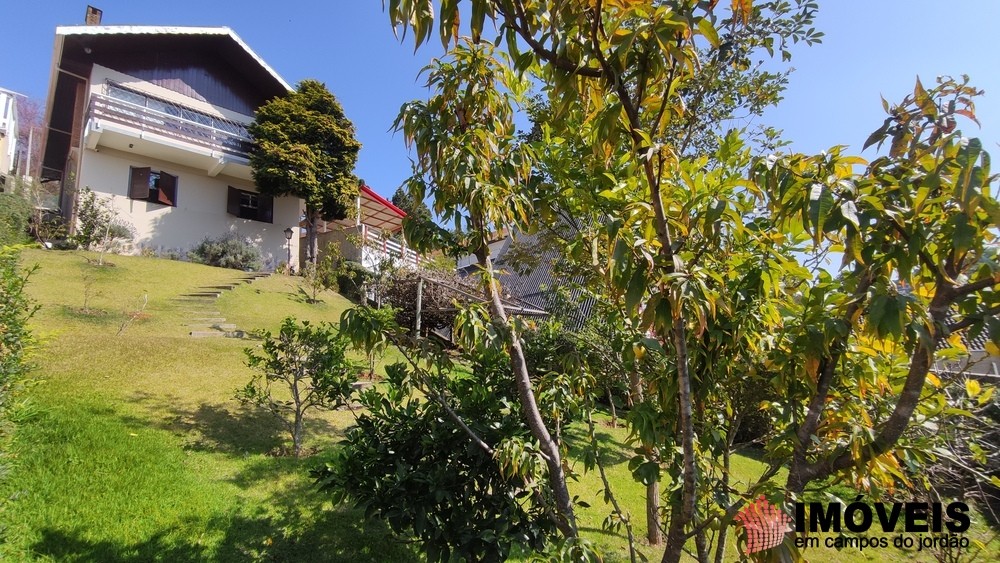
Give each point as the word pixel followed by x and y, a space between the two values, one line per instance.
pixel 727 454
pixel 312 237
pixel 297 435
pixel 654 525
pixel 611 403
pixel 701 542
pixel 654 535
pixel 566 520
pixel 683 516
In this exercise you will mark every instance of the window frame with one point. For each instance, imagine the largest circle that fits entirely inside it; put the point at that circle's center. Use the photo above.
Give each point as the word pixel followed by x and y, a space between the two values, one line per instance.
pixel 264 212
pixel 141 186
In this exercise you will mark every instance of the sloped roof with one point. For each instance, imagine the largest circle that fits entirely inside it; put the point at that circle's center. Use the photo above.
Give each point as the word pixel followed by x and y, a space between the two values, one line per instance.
pixel 155 30
pixel 532 285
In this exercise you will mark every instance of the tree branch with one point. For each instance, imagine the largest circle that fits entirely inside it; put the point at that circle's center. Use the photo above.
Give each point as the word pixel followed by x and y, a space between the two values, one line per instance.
pixel 519 23
pixel 973 318
pixel 969 288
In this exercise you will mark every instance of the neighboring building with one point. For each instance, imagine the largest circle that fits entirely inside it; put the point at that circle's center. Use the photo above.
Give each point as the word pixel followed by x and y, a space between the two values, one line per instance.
pixel 371 237
pixel 527 267
pixel 155 118
pixel 979 363
pixel 8 134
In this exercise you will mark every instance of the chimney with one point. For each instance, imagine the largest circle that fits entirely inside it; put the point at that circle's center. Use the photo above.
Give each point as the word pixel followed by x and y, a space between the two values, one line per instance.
pixel 93 16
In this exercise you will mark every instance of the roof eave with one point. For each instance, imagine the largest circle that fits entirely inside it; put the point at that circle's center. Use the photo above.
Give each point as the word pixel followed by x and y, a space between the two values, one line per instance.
pixel 65 30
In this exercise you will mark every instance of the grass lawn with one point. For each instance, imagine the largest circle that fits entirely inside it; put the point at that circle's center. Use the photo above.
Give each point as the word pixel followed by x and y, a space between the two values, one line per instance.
pixel 132 448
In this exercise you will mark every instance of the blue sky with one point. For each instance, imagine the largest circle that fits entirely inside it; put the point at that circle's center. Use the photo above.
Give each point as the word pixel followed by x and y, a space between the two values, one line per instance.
pixel 870 48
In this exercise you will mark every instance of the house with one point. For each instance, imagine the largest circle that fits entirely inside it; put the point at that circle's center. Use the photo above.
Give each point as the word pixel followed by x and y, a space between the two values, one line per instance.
pixel 527 266
pixel 155 119
pixel 977 362
pixel 8 134
pixel 374 236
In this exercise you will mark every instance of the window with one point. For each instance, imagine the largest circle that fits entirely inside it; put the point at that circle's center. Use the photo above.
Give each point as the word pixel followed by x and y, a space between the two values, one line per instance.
pixel 154 186
pixel 250 205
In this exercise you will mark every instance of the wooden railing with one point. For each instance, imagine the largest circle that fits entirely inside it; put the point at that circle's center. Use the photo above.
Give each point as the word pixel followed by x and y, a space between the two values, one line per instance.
pixel 172 127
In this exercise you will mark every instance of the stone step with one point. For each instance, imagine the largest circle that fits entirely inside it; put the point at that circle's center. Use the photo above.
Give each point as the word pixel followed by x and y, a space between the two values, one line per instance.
pixel 224 287
pixel 212 294
pixel 202 321
pixel 224 327
pixel 207 334
pixel 217 334
pixel 203 313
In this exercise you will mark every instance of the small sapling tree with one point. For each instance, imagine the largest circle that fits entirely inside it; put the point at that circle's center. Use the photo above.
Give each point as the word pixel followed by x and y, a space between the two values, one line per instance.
pixel 100 227
pixel 305 366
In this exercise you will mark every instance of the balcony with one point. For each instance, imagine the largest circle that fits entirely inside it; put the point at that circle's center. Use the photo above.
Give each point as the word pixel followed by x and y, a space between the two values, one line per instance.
pixel 377 250
pixel 366 245
pixel 169 132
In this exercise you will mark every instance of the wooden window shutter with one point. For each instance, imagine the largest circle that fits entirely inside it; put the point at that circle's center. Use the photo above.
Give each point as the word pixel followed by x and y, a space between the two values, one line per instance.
pixel 138 183
pixel 233 202
pixel 168 189
pixel 265 209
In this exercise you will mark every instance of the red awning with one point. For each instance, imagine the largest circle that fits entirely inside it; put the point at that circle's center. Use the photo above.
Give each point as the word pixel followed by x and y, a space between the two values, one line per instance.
pixel 375 211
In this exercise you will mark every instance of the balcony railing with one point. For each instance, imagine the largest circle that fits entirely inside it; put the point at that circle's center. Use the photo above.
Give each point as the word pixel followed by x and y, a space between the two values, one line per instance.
pixel 375 249
pixel 170 126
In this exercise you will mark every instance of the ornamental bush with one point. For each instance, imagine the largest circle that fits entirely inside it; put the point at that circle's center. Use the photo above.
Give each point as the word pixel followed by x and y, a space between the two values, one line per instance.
pixel 227 251
pixel 426 480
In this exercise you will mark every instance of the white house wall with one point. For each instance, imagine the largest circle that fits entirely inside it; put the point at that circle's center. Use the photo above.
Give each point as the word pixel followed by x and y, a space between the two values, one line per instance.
pixel 8 132
pixel 200 211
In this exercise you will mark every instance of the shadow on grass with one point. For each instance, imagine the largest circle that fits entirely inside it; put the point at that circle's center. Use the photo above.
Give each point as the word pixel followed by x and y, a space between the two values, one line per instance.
pixel 283 518
pixel 613 451
pixel 330 536
pixel 228 428
pixel 91 315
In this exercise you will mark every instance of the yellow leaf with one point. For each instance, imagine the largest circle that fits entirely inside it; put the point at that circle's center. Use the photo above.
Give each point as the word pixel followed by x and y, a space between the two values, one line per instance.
pixel 972 387
pixel 992 349
pixel 955 340
pixel 639 350
pixel 812 366
pixel 743 8
pixel 985 397
pixel 934 380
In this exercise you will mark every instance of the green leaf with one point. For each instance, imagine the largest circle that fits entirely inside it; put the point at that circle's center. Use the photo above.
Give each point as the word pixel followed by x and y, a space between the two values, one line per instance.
pixel 708 30
pixel 636 288
pixel 820 204
pixel 850 213
pixel 964 234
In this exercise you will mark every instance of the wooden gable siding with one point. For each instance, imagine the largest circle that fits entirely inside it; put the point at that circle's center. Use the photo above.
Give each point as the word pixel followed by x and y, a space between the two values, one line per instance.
pixel 212 69
pixel 208 80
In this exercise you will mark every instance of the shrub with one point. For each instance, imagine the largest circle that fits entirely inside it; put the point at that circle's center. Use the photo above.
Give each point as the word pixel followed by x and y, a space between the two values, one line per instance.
pixel 352 279
pixel 306 366
pixel 15 310
pixel 326 273
pixel 426 480
pixel 228 251
pixel 99 227
pixel 15 211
